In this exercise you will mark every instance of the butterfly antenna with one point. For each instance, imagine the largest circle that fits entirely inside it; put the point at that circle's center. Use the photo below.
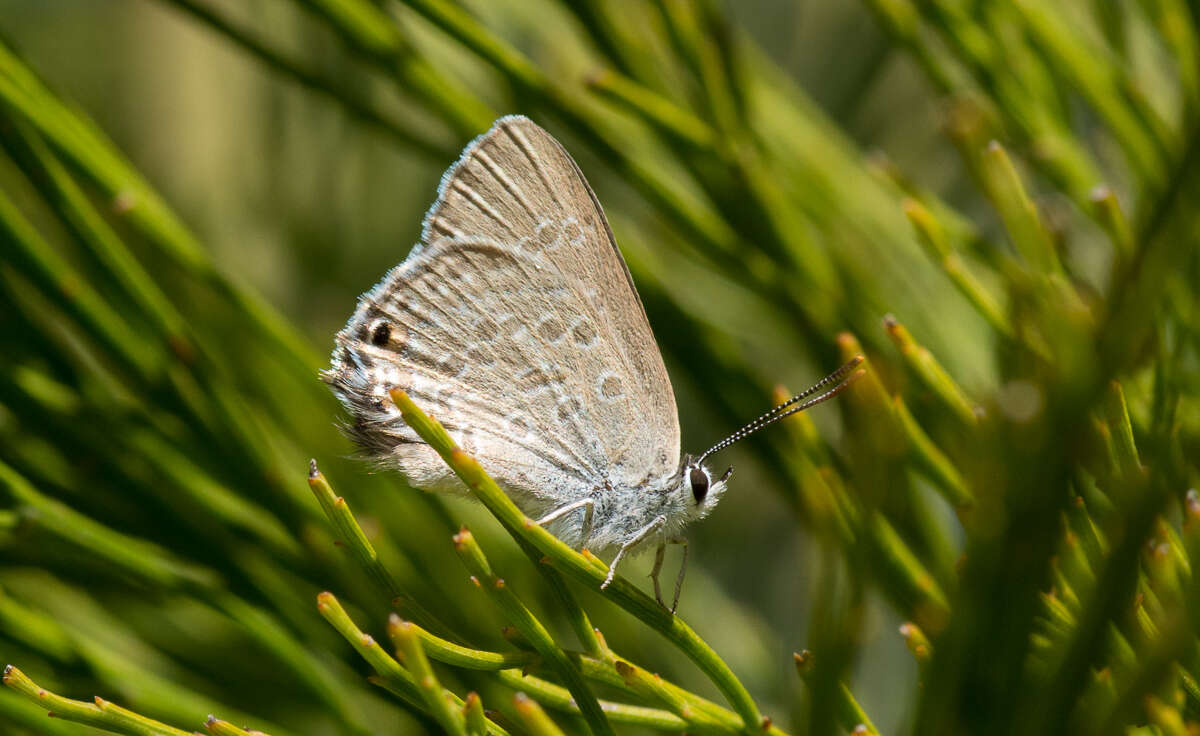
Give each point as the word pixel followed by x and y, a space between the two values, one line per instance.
pixel 842 377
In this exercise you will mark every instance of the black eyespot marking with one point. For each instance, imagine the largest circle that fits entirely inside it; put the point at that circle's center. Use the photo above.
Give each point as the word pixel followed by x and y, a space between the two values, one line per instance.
pixel 699 480
pixel 381 334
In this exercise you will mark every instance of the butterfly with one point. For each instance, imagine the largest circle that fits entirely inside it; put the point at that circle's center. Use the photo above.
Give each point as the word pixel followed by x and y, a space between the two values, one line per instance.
pixel 515 322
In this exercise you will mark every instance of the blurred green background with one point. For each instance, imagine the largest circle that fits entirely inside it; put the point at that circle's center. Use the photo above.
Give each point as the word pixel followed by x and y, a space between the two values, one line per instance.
pixel 194 193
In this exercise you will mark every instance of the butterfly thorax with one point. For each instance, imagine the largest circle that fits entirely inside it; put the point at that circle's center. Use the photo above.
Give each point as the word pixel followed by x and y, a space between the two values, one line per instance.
pixel 622 512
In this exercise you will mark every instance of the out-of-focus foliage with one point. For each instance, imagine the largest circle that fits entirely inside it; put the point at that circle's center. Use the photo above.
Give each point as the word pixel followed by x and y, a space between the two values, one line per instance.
pixel 993 532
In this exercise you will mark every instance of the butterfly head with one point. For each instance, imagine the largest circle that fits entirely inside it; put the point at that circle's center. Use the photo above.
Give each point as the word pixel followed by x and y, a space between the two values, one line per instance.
pixel 699 489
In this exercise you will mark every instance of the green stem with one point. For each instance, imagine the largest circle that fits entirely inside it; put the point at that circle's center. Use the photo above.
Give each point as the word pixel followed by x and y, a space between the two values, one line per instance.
pixel 355 540
pixel 412 653
pixel 674 122
pixel 534 718
pixel 391 676
pixel 853 718
pixel 372 33
pixel 100 714
pixel 28 253
pixel 932 376
pixel 217 727
pixel 474 716
pixel 1020 216
pixel 144 560
pixel 523 619
pixel 652 687
pixel 450 653
pixel 559 698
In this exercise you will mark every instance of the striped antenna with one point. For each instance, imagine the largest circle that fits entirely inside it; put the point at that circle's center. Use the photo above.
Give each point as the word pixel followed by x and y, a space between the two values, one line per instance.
pixel 843 377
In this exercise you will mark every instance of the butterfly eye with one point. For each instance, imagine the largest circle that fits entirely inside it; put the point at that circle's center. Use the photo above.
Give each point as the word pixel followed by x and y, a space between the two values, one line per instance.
pixel 699 480
pixel 380 334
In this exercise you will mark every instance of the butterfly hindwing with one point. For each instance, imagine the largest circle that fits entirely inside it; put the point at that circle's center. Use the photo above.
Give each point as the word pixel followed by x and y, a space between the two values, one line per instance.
pixel 516 324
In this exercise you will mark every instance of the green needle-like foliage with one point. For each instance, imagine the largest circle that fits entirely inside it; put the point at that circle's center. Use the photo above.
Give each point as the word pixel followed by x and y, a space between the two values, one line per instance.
pixel 995 530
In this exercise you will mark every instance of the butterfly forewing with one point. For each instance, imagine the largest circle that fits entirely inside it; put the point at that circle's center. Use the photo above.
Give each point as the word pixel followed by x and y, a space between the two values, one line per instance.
pixel 516 324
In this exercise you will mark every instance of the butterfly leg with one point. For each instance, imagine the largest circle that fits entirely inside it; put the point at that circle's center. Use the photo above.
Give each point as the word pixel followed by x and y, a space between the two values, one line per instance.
pixel 640 537
pixel 659 555
pixel 586 504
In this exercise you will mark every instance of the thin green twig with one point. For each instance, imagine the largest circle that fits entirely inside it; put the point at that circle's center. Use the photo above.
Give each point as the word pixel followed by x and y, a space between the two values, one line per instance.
pixel 100 714
pixel 531 628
